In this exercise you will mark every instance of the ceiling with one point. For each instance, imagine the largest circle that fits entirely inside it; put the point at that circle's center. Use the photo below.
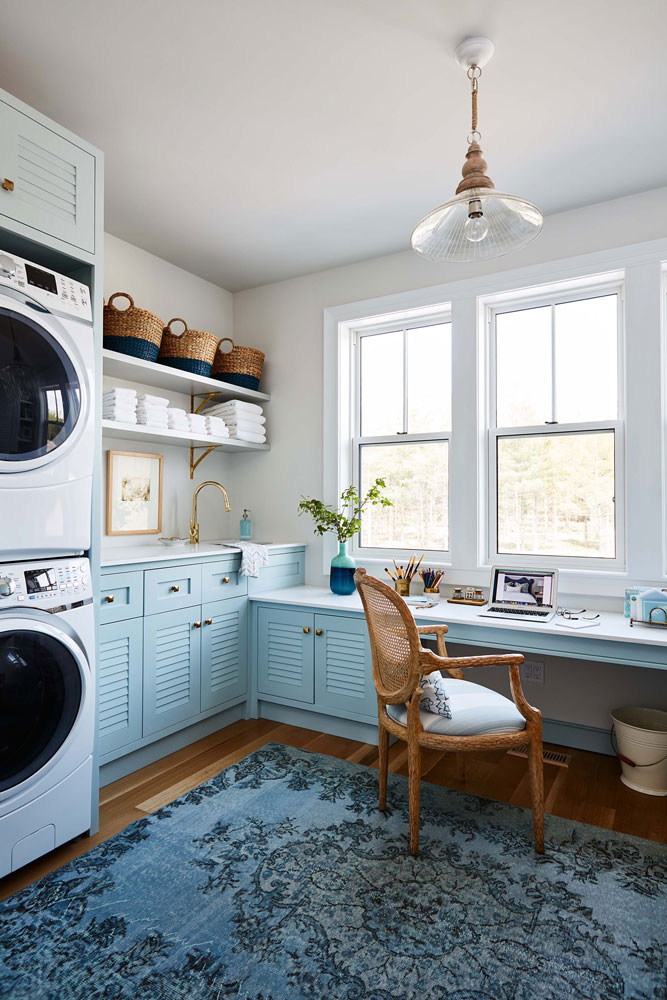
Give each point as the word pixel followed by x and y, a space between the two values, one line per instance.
pixel 253 140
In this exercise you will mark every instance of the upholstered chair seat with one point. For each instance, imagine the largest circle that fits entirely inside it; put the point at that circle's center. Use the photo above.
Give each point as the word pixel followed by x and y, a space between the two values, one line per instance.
pixel 475 710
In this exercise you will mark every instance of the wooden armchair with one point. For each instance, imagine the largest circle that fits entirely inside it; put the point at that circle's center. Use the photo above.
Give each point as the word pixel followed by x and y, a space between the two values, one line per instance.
pixel 399 662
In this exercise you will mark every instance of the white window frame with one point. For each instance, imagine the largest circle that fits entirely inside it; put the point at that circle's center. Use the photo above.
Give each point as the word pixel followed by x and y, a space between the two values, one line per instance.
pixel 516 302
pixel 410 319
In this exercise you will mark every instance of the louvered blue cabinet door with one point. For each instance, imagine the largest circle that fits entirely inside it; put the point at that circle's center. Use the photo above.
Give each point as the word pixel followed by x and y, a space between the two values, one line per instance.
pixel 285 654
pixel 171 668
pixel 343 665
pixel 224 652
pixel 119 672
pixel 54 180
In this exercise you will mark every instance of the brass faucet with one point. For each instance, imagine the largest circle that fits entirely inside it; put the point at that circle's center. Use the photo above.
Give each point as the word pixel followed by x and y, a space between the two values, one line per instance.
pixel 194 526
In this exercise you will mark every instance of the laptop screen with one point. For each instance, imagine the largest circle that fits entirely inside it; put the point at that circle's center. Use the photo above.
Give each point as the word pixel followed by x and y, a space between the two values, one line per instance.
pixel 523 589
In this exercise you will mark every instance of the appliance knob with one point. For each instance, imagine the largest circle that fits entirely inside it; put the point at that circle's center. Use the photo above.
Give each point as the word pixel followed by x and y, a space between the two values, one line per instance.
pixel 7 586
pixel 7 265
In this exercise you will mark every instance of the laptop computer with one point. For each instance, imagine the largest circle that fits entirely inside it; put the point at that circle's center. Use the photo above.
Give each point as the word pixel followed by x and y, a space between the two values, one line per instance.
pixel 524 595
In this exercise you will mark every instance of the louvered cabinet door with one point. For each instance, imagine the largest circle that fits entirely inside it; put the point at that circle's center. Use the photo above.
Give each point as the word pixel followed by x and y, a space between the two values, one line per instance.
pixel 119 673
pixel 343 665
pixel 171 668
pixel 285 654
pixel 224 652
pixel 53 179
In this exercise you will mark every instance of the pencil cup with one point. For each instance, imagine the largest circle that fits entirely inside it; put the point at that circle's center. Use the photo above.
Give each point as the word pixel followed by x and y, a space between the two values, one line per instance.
pixel 433 593
pixel 402 588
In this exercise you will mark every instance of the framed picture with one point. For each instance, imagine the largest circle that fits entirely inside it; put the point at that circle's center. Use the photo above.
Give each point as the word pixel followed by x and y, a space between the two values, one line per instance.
pixel 134 493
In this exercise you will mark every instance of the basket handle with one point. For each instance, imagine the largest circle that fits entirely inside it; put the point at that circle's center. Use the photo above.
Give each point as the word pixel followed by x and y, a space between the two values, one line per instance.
pixel 122 295
pixel 221 342
pixel 176 319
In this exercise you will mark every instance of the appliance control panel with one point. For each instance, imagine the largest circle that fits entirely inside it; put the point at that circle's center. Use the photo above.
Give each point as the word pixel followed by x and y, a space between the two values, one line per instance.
pixel 45 583
pixel 56 292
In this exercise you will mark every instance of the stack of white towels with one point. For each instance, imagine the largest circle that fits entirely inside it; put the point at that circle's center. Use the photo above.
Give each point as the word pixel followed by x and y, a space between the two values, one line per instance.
pixel 152 411
pixel 245 421
pixel 120 404
pixel 177 420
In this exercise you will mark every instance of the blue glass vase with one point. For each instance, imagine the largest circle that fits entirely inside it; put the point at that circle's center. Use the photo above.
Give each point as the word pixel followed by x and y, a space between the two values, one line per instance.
pixel 341 579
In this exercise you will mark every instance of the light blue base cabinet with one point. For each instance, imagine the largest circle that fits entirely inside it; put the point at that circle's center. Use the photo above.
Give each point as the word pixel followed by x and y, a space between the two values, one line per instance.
pixel 320 662
pixel 174 645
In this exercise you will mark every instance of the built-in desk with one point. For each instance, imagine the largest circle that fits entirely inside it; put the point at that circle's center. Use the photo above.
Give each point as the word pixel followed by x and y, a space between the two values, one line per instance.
pixel 311 658
pixel 612 641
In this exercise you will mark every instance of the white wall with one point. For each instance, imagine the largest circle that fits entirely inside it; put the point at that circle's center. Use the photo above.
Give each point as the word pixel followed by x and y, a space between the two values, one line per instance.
pixel 285 321
pixel 170 291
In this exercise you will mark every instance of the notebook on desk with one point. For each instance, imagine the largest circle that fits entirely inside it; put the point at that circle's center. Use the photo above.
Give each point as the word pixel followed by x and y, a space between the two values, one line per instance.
pixel 524 595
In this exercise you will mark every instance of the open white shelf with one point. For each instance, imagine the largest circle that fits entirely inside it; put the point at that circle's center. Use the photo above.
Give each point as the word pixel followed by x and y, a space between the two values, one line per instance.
pixel 163 377
pixel 142 433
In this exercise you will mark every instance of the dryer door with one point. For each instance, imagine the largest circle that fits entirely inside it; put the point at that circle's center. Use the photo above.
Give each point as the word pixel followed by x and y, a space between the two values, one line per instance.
pixel 42 398
pixel 42 686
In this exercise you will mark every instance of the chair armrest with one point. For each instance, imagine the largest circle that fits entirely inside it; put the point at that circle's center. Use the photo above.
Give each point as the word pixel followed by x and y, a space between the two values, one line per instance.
pixel 464 662
pixel 439 631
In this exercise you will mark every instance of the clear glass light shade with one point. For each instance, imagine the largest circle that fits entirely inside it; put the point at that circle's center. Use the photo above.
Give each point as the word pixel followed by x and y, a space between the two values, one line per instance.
pixel 476 225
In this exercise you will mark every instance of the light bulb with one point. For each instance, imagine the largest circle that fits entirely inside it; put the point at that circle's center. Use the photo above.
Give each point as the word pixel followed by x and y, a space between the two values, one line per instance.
pixel 476 227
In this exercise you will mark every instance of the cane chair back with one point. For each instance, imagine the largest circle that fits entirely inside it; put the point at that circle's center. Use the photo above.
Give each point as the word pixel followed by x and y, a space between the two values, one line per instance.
pixel 394 639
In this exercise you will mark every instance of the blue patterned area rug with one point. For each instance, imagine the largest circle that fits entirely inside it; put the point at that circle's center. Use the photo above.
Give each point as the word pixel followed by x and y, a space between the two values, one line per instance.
pixel 280 880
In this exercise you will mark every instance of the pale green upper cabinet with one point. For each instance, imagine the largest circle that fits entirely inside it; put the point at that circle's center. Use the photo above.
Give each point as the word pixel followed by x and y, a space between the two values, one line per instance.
pixel 53 180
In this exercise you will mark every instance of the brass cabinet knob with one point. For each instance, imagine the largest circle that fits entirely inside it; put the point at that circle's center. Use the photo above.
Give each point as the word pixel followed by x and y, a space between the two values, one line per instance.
pixel 197 624
pixel 7 184
pixel 175 588
pixel 318 631
pixel 225 579
pixel 208 621
pixel 306 629
pixel 109 598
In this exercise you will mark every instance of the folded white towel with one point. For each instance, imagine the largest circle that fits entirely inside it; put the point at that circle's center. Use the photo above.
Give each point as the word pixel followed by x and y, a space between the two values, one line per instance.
pixel 149 400
pixel 174 411
pixel 153 411
pixel 118 411
pixel 113 397
pixel 236 404
pixel 246 425
pixel 178 425
pixel 216 427
pixel 238 416
pixel 253 557
pixel 247 436
pixel 120 390
pixel 152 421
pixel 120 418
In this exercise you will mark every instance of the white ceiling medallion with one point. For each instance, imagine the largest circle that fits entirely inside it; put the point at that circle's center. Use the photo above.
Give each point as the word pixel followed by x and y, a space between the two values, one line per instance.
pixel 479 222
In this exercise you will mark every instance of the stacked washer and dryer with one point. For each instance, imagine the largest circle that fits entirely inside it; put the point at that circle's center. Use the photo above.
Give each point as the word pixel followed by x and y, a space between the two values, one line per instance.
pixel 47 640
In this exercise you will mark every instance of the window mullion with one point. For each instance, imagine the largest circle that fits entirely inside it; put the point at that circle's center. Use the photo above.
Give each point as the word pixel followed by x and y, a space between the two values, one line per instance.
pixel 554 413
pixel 404 429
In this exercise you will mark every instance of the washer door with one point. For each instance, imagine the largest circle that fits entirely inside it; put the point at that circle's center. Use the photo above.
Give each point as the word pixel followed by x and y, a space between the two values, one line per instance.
pixel 41 401
pixel 41 692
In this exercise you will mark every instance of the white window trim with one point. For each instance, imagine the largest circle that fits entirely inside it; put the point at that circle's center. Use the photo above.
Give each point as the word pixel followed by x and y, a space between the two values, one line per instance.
pixel 646 519
pixel 401 321
pixel 536 298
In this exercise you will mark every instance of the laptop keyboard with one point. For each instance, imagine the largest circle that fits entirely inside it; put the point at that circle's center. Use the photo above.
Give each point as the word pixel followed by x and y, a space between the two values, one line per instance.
pixel 518 611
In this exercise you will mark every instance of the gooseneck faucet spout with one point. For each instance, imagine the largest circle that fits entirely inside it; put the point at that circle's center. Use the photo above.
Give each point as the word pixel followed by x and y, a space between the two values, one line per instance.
pixel 194 526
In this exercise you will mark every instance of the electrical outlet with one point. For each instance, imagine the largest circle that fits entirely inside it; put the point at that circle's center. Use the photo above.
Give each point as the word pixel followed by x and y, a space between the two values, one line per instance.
pixel 532 671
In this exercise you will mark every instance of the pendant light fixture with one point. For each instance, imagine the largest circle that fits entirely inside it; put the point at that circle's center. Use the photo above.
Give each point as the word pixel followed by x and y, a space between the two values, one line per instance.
pixel 479 222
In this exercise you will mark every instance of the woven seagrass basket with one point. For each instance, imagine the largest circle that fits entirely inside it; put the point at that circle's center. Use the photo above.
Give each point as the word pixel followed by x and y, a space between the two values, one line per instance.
pixel 132 331
pixel 191 350
pixel 240 366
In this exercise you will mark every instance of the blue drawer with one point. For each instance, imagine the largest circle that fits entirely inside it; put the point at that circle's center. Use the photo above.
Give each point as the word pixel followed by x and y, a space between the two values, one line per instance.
pixel 121 596
pixel 219 580
pixel 171 589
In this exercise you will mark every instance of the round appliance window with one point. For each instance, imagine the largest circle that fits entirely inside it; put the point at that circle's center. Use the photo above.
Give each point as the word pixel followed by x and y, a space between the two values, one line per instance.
pixel 40 695
pixel 40 400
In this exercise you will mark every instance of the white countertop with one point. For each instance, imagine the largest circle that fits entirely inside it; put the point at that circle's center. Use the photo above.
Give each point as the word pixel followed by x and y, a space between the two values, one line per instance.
pixel 155 552
pixel 612 625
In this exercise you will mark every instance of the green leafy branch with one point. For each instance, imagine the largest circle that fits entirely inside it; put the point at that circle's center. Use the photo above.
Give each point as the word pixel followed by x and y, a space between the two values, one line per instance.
pixel 346 522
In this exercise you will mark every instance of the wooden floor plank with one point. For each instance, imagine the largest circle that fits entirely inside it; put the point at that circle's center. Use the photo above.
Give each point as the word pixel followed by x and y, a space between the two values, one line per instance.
pixel 588 791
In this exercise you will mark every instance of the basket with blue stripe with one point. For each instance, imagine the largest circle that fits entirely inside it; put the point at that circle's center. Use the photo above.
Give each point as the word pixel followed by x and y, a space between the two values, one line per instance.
pixel 132 331
pixel 190 350
pixel 240 366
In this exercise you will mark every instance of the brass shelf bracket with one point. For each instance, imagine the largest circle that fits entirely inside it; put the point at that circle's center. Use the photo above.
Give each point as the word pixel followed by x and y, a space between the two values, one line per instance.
pixel 195 462
pixel 195 408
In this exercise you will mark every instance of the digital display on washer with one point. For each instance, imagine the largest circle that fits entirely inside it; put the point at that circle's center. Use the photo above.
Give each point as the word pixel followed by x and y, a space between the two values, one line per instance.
pixel 40 581
pixel 41 279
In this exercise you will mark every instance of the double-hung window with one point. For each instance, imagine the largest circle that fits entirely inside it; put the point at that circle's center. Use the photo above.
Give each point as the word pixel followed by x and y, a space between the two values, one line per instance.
pixel 402 433
pixel 555 429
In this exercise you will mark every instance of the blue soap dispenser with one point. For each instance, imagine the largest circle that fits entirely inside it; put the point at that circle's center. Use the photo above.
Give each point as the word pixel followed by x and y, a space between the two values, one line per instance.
pixel 245 527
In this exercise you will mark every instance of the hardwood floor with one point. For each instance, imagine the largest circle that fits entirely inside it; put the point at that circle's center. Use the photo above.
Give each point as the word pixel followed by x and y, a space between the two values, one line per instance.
pixel 588 790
